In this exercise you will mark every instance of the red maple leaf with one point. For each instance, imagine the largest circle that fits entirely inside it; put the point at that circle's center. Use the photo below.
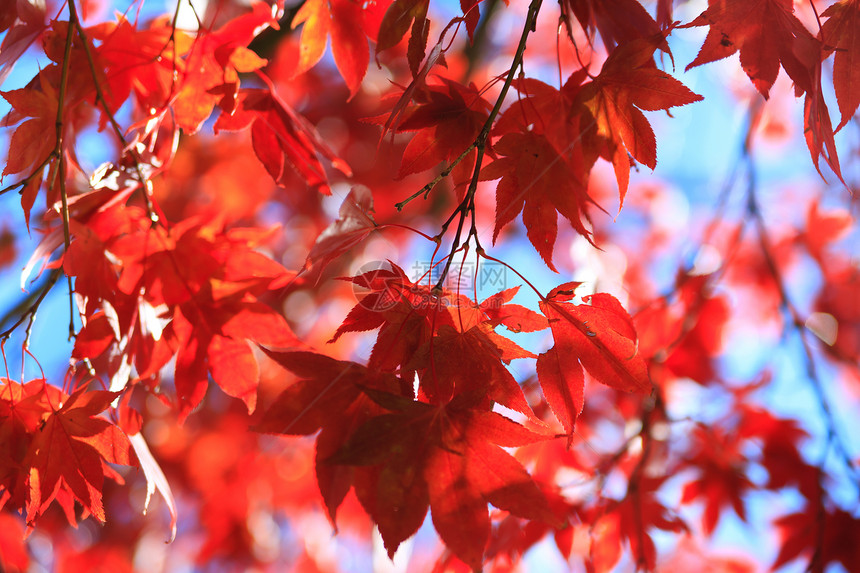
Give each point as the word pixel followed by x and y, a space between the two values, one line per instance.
pixel 405 313
pixel 827 534
pixel 353 225
pixel 282 138
pixel 617 21
pixel 841 33
pixel 139 61
pixel 444 338
pixel 31 23
pixel 541 108
pixel 69 452
pixel 599 337
pixel 328 396
pixel 447 118
pixel 632 519
pixel 722 479
pixel 539 182
pixel 514 317
pixel 191 292
pixel 213 64
pixel 22 409
pixel 34 139
pixel 468 364
pixel 448 458
pixel 762 30
pixel 402 14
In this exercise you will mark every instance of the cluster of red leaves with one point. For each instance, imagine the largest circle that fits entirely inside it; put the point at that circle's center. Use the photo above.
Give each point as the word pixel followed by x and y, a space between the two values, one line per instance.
pixel 405 449
pixel 149 295
pixel 768 36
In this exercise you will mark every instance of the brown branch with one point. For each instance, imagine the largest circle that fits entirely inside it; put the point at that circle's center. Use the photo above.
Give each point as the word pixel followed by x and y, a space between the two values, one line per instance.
pixel 795 321
pixel 29 306
pixel 635 481
pixel 467 205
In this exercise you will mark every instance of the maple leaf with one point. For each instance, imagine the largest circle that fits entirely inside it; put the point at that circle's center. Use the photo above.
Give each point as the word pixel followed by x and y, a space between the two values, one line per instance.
pixel 836 299
pixel 544 109
pixel 722 478
pixel 353 225
pixel 325 387
pixel 214 337
pixel 337 18
pixel 165 66
pixel 405 314
pixel 816 118
pixel 827 533
pixel 444 338
pixel 628 82
pixel 30 15
pixel 398 18
pixel 327 396
pixel 34 139
pixel 215 60
pixel 469 365
pixel 447 119
pixel 454 455
pixel 823 228
pixel 762 30
pixel 281 138
pixel 69 451
pixel 599 337
pixel 780 454
pixel 840 34
pixel 142 61
pixel 617 21
pixel 472 15
pixel 632 519
pixel 514 317
pixel 537 181
pixel 22 409
pixel 204 282
pixel 691 329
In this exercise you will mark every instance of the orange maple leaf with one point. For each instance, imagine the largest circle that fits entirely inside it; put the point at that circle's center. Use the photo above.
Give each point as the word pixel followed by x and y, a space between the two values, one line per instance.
pixel 338 19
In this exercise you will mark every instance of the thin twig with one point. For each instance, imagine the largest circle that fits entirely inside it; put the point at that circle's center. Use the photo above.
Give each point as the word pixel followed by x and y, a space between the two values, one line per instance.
pixel 799 325
pixel 61 166
pixel 145 183
pixel 467 205
pixel 795 319
pixel 31 307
